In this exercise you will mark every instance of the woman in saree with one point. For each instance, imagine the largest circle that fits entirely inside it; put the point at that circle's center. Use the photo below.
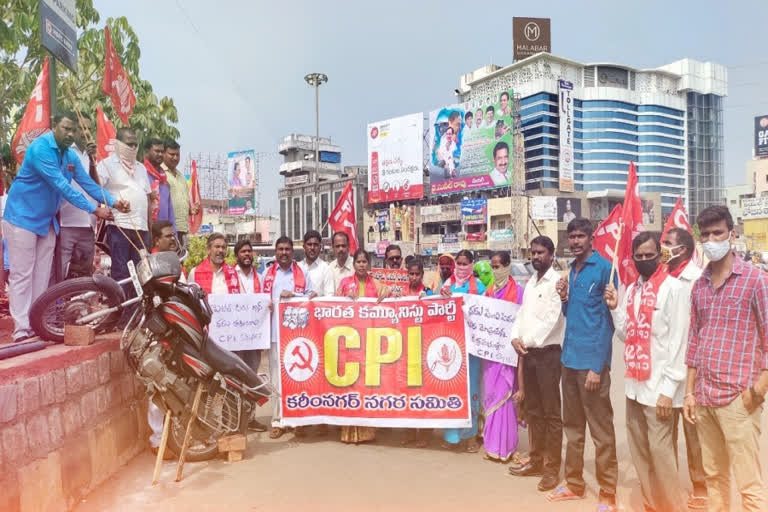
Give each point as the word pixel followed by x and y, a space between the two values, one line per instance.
pixel 503 384
pixel 360 284
pixel 445 266
pixel 463 281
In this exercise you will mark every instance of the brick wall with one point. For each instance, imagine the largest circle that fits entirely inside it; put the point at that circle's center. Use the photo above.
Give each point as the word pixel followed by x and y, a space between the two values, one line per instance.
pixel 69 418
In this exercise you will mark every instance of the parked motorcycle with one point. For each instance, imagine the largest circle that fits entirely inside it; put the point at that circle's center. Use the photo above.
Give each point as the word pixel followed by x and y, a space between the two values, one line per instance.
pixel 166 343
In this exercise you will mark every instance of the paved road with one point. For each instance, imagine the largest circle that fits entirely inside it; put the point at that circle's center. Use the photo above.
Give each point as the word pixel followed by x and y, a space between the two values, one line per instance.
pixel 323 474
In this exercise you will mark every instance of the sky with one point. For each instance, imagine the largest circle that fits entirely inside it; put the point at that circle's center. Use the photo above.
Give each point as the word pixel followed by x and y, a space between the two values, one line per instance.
pixel 235 68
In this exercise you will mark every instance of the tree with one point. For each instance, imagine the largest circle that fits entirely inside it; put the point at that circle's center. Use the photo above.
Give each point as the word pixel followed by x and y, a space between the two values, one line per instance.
pixel 21 58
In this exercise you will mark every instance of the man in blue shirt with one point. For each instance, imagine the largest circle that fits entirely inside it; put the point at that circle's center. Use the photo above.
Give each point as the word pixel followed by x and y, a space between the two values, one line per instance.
pixel 30 225
pixel 586 363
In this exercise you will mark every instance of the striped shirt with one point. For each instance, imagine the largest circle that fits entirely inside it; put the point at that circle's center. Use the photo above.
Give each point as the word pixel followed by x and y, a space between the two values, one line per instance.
pixel 727 342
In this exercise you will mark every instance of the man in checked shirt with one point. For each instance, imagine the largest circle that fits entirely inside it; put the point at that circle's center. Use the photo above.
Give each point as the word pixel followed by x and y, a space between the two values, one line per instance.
pixel 727 361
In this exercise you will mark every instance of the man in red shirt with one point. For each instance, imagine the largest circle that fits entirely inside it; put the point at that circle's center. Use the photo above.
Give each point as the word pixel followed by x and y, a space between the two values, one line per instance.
pixel 727 361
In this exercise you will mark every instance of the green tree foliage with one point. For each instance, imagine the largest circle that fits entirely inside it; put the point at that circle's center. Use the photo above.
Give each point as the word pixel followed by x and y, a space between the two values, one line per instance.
pixel 22 55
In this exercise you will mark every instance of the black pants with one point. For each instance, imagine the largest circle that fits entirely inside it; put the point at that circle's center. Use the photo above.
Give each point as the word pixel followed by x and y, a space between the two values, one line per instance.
pixel 582 407
pixel 541 374
pixel 122 250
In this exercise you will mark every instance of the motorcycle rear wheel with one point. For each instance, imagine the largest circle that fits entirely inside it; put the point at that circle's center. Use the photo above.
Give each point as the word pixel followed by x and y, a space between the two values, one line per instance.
pixel 59 305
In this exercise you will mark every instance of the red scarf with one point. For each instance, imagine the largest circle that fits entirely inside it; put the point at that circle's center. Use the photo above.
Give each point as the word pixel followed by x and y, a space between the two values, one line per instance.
pixel 204 276
pixel 411 293
pixel 158 175
pixel 510 294
pixel 350 283
pixel 299 281
pixel 679 270
pixel 637 353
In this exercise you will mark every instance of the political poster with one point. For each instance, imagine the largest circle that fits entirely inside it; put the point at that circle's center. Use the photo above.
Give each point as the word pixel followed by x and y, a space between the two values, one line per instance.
pixel 240 206
pixel 489 328
pixel 241 173
pixel 240 321
pixel 400 363
pixel 395 278
pixel 470 145
pixel 474 211
pixel 395 159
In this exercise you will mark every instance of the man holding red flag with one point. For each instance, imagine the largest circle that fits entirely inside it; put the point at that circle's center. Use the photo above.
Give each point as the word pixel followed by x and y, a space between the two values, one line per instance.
pixel 30 225
pixel 648 320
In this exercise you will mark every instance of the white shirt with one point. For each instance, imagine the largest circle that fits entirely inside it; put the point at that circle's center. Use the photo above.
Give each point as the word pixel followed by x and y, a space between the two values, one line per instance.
pixel 133 189
pixel 283 281
pixel 498 178
pixel 668 344
pixel 690 274
pixel 218 281
pixel 340 272
pixel 540 321
pixel 246 280
pixel 70 216
pixel 319 274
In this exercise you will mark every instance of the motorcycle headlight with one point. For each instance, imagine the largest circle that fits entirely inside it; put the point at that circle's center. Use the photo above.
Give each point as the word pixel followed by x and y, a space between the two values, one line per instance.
pixel 144 272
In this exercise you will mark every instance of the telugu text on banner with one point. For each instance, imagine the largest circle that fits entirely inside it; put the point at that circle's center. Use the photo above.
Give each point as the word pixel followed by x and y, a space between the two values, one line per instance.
pixel 395 278
pixel 400 363
pixel 489 327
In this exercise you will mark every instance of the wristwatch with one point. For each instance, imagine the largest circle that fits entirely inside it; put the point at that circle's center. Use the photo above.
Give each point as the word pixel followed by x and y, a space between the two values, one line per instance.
pixel 757 398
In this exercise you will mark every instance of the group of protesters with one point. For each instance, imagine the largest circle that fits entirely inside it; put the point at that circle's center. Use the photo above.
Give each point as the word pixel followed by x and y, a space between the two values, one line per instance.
pixel 62 196
pixel 693 342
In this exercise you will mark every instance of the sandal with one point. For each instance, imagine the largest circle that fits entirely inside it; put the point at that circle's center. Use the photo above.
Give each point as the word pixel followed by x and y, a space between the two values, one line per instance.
pixel 473 446
pixel 563 493
pixel 276 433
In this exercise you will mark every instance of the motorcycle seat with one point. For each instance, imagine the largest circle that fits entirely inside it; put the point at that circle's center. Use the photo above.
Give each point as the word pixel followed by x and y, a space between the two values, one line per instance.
pixel 229 364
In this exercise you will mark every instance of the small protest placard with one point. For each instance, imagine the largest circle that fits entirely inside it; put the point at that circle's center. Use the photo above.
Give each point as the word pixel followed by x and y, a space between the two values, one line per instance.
pixel 240 321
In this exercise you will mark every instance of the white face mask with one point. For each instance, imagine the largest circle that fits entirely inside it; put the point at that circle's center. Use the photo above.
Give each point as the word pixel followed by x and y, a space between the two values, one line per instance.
pixel 716 251
pixel 667 255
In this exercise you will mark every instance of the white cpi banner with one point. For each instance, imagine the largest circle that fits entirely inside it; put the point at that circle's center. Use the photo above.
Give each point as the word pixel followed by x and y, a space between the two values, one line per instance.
pixel 566 136
pixel 396 159
pixel 240 321
pixel 488 328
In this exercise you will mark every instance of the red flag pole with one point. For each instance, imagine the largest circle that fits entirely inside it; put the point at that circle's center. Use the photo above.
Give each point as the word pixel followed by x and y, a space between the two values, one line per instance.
pixel 616 252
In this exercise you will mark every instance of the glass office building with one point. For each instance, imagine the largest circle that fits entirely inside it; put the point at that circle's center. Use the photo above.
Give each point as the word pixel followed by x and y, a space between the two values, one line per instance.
pixel 667 120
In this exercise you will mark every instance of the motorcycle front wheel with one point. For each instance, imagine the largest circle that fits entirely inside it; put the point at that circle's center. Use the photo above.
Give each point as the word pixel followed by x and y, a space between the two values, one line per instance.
pixel 199 449
pixel 69 300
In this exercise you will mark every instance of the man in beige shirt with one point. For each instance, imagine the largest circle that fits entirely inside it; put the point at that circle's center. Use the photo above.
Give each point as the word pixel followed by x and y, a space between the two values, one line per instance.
pixel 179 190
pixel 341 267
pixel 537 335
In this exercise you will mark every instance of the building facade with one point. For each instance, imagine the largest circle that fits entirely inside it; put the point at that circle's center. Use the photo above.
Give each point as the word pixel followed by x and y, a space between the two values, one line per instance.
pixel 306 182
pixel 668 120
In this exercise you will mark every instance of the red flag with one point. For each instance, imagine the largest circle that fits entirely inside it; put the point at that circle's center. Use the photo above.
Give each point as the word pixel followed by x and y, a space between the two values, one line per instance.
pixel 194 199
pixel 607 233
pixel 678 219
pixel 37 116
pixel 116 83
pixel 632 224
pixel 342 219
pixel 105 135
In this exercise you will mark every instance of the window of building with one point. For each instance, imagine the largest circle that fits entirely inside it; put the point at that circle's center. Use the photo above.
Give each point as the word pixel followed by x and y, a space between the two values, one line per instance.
pixel 283 217
pixel 324 213
pixel 308 213
pixel 296 218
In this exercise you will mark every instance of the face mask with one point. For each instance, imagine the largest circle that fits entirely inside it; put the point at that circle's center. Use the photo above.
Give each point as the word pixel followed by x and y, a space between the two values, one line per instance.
pixel 667 255
pixel 716 251
pixel 462 274
pixel 646 268
pixel 127 155
pixel 501 275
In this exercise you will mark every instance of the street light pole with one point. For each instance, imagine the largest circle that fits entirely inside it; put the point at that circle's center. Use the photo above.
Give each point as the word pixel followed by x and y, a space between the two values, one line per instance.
pixel 316 80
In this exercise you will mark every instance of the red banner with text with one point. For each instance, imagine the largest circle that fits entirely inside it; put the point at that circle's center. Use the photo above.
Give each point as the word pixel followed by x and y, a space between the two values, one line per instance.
pixel 400 363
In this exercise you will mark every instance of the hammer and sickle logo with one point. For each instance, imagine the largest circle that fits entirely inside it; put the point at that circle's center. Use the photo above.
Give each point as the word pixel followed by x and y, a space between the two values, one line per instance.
pixel 301 359
pixel 305 360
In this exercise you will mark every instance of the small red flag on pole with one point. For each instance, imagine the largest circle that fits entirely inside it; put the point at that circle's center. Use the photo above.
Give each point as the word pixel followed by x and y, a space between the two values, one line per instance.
pixel 343 218
pixel 37 116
